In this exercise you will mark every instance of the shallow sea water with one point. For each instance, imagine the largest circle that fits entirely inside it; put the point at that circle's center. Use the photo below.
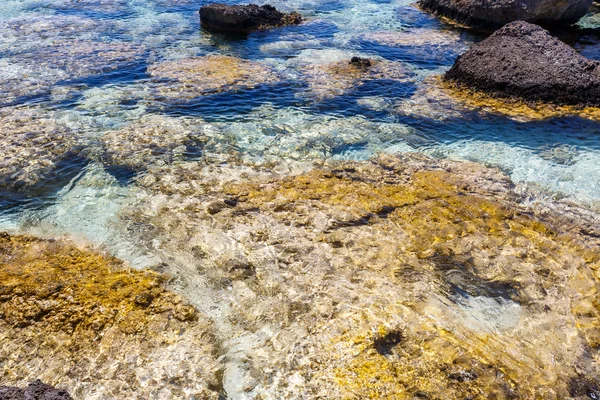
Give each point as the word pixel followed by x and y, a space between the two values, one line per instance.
pixel 96 68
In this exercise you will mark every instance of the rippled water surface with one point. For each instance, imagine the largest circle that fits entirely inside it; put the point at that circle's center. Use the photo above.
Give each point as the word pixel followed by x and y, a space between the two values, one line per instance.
pixel 99 100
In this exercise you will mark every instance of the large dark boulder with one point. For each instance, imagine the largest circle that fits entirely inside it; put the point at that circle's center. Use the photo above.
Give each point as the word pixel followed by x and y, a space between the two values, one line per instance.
pixel 492 14
pixel 524 61
pixel 244 18
pixel 37 390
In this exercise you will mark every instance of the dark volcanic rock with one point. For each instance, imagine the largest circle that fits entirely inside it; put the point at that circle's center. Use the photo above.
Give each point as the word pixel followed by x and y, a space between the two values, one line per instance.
pixel 244 18
pixel 523 60
pixel 492 14
pixel 360 62
pixel 37 390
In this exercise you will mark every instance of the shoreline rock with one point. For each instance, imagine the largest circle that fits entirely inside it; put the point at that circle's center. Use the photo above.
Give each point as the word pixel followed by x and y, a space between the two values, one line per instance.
pixel 244 18
pixel 524 61
pixel 492 14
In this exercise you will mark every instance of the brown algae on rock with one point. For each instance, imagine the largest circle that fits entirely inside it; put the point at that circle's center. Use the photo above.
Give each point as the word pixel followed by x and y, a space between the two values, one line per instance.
pixel 193 77
pixel 394 278
pixel 518 109
pixel 80 320
pixel 440 99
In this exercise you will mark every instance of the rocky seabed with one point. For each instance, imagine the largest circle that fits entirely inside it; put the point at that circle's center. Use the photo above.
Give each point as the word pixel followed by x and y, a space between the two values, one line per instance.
pixel 152 250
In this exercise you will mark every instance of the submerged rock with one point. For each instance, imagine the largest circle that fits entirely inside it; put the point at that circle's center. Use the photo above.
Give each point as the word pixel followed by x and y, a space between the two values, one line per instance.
pixel 398 276
pixel 197 76
pixel 338 78
pixel 29 32
pixel 361 62
pixel 37 390
pixel 244 18
pixel 23 75
pixel 524 61
pixel 492 14
pixel 80 320
pixel 417 37
pixel 441 100
pixel 152 139
pixel 32 145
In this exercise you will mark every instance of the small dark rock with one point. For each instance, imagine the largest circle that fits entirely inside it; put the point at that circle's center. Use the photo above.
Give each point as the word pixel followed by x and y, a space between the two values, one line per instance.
pixel 37 390
pixel 244 18
pixel 360 62
pixel 462 376
pixel 143 299
pixel 584 387
pixel 215 207
pixel 492 14
pixel 384 344
pixel 523 60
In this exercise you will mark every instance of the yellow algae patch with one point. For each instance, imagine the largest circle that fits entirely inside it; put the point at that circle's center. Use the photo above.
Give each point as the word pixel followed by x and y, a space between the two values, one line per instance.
pixel 439 99
pixel 195 76
pixel 515 108
pixel 504 258
pixel 421 366
pixel 81 320
pixel 397 277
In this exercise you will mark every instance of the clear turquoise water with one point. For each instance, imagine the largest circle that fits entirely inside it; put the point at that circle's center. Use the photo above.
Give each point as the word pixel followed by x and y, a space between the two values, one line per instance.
pixel 46 66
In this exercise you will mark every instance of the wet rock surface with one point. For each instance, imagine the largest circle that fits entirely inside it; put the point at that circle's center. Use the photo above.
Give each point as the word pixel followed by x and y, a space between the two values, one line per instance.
pixel 442 100
pixel 400 276
pixel 36 390
pixel 492 14
pixel 32 146
pixel 81 321
pixel 244 18
pixel 524 61
pixel 152 139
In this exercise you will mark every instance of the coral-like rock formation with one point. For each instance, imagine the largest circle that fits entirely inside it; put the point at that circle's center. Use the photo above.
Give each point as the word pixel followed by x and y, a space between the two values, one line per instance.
pixel 81 321
pixel 491 14
pixel 524 61
pixel 36 390
pixel 244 18
pixel 394 278
pixel 193 77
